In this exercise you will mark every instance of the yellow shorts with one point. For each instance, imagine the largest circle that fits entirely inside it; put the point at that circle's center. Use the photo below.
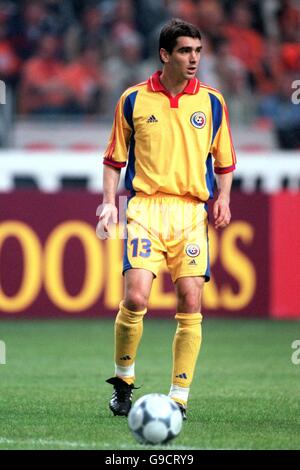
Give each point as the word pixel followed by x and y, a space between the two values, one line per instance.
pixel 167 228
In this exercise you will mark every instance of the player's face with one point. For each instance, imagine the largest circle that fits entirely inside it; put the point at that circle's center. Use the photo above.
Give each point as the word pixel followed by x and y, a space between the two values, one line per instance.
pixel 184 60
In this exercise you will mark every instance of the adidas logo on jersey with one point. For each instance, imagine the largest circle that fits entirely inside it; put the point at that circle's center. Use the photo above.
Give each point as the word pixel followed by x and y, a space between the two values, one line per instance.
pixel 152 118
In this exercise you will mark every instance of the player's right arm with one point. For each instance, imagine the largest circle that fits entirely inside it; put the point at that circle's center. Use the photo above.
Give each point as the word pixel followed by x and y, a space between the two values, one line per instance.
pixel 108 211
pixel 115 158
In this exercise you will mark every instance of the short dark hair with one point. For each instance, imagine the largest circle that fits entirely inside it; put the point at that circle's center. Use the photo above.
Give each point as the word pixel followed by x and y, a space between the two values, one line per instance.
pixel 172 30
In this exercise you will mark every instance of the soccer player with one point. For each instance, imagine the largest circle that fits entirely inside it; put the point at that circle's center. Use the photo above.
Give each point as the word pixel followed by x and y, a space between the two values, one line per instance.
pixel 173 134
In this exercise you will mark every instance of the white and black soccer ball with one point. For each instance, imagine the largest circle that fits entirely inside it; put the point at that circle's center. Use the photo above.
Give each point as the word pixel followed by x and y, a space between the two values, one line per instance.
pixel 155 419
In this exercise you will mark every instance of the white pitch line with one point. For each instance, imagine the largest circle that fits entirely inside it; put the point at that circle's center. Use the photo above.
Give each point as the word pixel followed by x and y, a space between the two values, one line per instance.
pixel 46 442
pixel 85 445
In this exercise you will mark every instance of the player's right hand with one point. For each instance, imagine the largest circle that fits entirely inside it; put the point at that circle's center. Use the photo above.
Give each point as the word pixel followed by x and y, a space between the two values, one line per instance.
pixel 106 212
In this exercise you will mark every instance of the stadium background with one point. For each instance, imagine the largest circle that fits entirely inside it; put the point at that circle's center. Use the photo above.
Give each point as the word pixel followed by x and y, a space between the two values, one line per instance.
pixel 62 67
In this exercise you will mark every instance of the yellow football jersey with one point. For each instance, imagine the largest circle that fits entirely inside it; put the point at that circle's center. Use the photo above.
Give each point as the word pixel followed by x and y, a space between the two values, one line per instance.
pixel 169 143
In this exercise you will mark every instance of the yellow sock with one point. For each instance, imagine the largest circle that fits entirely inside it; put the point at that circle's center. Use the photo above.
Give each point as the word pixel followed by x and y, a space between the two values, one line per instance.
pixel 128 332
pixel 186 347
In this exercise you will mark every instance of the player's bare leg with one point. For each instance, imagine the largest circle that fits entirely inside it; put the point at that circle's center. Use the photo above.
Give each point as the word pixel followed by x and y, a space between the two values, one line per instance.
pixel 138 283
pixel 128 333
pixel 187 339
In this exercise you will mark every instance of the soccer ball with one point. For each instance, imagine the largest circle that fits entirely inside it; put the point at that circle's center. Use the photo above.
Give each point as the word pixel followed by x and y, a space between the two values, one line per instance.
pixel 155 419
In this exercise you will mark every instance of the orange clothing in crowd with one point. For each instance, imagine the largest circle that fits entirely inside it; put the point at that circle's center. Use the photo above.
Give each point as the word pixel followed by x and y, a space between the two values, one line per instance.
pixel 81 80
pixel 290 54
pixel 42 85
pixel 245 44
pixel 9 62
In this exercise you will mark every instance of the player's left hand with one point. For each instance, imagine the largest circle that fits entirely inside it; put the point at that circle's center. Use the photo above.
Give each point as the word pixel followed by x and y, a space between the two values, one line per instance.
pixel 221 211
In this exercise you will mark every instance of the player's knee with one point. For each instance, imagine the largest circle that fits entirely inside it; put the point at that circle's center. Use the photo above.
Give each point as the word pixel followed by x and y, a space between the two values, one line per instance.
pixel 135 300
pixel 189 303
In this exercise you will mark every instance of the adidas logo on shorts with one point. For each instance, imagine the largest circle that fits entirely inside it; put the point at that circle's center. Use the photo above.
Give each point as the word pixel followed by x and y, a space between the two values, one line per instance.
pixel 192 262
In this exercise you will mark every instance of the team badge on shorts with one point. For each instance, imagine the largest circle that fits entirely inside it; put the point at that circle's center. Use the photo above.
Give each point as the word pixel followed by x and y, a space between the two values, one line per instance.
pixel 198 120
pixel 192 250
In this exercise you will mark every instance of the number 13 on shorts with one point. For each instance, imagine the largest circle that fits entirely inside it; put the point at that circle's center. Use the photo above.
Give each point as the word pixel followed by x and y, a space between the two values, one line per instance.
pixel 141 247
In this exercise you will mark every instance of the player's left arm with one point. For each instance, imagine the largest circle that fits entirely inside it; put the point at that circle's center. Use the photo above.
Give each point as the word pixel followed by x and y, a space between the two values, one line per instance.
pixel 221 209
pixel 225 161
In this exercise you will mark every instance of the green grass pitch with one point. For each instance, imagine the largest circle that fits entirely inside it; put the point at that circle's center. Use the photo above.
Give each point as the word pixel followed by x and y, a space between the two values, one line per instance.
pixel 53 395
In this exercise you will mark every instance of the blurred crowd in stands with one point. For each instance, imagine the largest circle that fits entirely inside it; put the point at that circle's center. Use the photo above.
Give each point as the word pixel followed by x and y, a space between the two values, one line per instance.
pixel 75 57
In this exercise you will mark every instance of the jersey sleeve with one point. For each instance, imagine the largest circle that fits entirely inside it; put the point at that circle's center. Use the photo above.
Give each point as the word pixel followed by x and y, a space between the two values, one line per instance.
pixel 116 152
pixel 222 147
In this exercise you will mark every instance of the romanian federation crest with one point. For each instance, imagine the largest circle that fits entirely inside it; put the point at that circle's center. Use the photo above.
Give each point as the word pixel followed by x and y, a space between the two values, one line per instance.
pixel 192 250
pixel 198 120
